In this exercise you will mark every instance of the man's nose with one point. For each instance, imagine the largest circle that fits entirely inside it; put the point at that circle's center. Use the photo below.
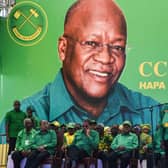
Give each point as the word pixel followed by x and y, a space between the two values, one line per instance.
pixel 105 56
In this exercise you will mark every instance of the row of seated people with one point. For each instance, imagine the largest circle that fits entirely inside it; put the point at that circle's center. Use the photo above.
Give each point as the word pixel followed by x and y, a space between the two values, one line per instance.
pixel 75 142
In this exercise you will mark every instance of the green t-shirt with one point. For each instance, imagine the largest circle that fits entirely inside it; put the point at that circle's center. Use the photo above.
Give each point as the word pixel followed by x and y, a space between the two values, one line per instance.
pixel 15 121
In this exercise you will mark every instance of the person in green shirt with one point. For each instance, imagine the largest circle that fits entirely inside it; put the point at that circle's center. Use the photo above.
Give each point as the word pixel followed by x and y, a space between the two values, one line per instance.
pixel 85 142
pixel 36 121
pixel 44 144
pixel 23 142
pixel 122 146
pixel 13 124
pixel 159 149
pixel 164 130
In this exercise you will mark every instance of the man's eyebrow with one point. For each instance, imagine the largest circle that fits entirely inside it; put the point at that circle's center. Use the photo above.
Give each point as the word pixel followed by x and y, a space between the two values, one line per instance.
pixel 120 38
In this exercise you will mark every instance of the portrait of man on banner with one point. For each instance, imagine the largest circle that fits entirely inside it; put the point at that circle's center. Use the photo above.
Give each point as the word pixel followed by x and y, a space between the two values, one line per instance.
pixel 92 49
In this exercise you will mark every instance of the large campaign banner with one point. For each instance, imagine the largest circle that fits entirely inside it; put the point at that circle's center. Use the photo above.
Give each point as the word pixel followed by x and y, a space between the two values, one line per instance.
pixel 29 57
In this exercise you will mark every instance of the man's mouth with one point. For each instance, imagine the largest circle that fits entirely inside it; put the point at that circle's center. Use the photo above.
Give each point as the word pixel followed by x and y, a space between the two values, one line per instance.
pixel 100 74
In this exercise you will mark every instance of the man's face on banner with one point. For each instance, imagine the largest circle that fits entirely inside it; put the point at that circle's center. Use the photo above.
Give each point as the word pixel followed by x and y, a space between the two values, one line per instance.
pixel 95 53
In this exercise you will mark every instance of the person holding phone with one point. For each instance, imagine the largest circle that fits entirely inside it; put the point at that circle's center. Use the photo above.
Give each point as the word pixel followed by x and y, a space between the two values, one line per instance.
pixel 85 142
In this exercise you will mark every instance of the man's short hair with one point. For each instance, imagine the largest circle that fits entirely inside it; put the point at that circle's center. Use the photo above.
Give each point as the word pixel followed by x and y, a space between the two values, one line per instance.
pixel 31 108
pixel 27 120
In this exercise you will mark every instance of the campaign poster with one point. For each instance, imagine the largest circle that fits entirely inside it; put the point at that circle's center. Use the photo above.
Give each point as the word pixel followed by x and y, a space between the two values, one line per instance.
pixel 29 55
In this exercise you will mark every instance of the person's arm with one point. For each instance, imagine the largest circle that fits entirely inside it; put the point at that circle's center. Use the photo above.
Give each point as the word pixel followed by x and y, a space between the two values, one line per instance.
pixel 7 118
pixel 148 142
pixel 53 141
pixel 114 144
pixel 34 140
pixel 64 140
pixel 75 139
pixel 93 139
pixel 18 146
pixel 7 133
pixel 133 144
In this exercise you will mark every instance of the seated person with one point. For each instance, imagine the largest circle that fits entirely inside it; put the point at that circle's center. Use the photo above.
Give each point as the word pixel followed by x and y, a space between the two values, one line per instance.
pixel 114 130
pixel 44 143
pixel 104 143
pixel 122 146
pixel 56 126
pixel 164 129
pixel 69 135
pixel 85 142
pixel 159 150
pixel 23 142
pixel 145 143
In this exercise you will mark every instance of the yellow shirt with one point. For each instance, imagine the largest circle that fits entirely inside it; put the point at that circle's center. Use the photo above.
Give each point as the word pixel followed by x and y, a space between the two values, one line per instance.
pixel 145 139
pixel 68 139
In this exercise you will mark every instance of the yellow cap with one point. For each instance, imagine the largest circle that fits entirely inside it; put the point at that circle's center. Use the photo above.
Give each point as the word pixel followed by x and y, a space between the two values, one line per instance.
pixel 166 124
pixel 146 126
pixel 56 123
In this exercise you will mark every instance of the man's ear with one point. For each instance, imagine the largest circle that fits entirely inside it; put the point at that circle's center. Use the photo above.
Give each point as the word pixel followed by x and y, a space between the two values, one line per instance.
pixel 62 47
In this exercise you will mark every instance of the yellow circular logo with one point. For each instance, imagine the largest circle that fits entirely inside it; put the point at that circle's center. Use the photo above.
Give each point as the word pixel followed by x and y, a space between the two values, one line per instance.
pixel 27 23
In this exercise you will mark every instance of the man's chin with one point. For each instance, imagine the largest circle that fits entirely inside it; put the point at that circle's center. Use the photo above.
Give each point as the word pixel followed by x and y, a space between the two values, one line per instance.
pixel 96 97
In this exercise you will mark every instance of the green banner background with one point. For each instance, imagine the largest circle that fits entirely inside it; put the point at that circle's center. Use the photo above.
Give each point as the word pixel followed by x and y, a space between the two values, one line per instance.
pixel 26 69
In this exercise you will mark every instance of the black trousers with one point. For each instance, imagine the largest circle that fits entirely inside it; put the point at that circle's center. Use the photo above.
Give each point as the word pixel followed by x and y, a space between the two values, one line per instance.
pixel 149 156
pixel 124 158
pixel 166 150
pixel 105 157
pixel 35 158
pixel 74 153
pixel 12 143
pixel 17 157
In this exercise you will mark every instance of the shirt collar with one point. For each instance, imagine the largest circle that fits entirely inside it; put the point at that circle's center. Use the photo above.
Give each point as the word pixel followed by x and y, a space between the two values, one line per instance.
pixel 60 100
pixel 24 130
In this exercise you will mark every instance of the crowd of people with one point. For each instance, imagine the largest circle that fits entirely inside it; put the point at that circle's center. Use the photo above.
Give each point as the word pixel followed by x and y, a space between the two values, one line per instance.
pixel 37 139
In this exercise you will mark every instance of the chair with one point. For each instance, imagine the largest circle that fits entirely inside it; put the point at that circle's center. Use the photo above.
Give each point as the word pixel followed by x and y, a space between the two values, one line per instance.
pixel 3 151
pixel 10 163
pixel 88 161
pixel 48 162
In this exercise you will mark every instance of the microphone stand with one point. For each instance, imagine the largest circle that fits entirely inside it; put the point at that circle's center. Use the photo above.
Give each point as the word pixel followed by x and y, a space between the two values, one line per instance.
pixel 150 108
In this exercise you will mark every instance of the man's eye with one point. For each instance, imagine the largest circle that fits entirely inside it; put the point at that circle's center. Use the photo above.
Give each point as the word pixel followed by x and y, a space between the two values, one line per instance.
pixel 119 48
pixel 92 44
